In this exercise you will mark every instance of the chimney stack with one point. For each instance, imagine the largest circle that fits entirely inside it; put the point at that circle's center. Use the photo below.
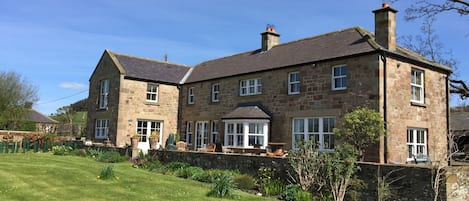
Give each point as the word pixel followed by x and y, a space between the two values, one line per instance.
pixel 385 26
pixel 270 38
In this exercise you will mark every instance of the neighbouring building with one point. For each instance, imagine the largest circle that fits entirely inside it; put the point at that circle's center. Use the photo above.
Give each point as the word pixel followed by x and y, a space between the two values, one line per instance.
pixel 300 90
pixel 42 122
pixel 129 95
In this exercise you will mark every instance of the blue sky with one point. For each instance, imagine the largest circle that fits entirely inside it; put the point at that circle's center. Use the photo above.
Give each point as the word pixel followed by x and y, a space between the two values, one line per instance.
pixel 56 44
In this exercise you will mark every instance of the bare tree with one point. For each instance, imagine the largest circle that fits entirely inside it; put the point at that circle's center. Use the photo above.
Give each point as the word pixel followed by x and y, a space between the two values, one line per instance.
pixel 428 45
pixel 429 9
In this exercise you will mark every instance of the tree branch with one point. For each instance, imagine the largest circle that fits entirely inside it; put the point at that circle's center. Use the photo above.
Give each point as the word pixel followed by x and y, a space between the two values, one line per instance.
pixel 459 87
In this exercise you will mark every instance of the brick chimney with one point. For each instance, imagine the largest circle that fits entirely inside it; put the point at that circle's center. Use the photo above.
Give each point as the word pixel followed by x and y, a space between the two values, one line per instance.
pixel 385 26
pixel 270 38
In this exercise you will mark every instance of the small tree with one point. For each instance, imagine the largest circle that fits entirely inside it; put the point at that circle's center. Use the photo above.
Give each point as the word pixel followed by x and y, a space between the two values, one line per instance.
pixel 361 127
pixel 307 164
pixel 340 166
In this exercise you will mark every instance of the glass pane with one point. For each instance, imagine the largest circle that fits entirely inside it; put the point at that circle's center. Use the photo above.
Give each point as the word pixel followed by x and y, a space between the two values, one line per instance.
pixel 410 151
pixel 298 125
pixel 240 141
pixel 418 78
pixel 343 70
pixel 410 136
pixel 336 71
pixel 328 141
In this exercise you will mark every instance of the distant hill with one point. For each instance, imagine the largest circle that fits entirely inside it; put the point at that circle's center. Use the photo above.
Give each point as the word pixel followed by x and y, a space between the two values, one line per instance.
pixel 80 105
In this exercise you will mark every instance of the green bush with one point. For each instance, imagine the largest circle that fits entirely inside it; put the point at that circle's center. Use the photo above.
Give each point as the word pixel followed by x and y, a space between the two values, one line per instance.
pixel 80 152
pixel 222 187
pixel 111 157
pixel 289 194
pixel 94 153
pixel 272 187
pixel 188 172
pixel 172 167
pixel 107 173
pixel 209 176
pixel 244 182
pixel 62 150
pixel 303 196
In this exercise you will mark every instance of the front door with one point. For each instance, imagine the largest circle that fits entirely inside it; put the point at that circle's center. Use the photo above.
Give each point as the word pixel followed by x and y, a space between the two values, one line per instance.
pixel 145 127
pixel 201 134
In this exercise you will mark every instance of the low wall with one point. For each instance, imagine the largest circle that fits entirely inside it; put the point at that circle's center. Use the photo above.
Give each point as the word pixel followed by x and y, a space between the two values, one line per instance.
pixel 457 183
pixel 415 182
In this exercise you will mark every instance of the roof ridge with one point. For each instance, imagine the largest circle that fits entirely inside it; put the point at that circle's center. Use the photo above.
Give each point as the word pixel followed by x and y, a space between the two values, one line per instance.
pixel 149 59
pixel 287 43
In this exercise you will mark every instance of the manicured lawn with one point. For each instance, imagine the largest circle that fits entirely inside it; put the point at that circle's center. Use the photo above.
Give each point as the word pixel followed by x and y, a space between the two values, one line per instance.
pixel 43 176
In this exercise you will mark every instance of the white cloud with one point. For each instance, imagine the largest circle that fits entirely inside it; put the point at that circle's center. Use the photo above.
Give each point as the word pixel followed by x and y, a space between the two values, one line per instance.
pixel 72 85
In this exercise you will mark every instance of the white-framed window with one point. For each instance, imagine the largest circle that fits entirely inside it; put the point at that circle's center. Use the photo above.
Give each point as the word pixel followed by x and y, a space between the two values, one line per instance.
pixel 339 77
pixel 152 92
pixel 101 129
pixel 416 143
pixel 103 93
pixel 246 133
pixel 255 134
pixel 317 129
pixel 146 127
pixel 214 132
pixel 201 134
pixel 215 92
pixel 294 83
pixel 250 87
pixel 190 95
pixel 188 136
pixel 417 86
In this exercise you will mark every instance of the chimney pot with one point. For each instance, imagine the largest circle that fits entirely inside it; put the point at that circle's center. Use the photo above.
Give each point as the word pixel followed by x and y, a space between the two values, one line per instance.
pixel 385 5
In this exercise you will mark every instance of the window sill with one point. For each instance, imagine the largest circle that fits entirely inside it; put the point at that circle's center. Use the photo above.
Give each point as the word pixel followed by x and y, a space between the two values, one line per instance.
pixel 418 104
pixel 102 109
pixel 152 103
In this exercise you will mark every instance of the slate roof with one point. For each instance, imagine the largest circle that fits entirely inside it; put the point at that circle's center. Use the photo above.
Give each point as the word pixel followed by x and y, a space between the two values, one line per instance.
pixel 37 117
pixel 332 45
pixel 459 121
pixel 247 112
pixel 149 69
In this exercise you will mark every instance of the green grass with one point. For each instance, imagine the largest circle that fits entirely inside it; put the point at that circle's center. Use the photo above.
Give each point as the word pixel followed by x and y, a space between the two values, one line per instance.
pixel 43 176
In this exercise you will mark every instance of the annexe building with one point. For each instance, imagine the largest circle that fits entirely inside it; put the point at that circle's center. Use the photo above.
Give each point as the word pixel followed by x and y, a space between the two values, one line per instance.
pixel 300 90
pixel 129 95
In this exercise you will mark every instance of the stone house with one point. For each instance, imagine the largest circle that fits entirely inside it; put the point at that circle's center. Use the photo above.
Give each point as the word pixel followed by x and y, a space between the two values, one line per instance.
pixel 283 93
pixel 129 95
pixel 42 122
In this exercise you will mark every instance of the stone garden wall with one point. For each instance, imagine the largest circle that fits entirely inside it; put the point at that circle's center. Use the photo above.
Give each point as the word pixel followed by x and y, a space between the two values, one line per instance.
pixel 415 182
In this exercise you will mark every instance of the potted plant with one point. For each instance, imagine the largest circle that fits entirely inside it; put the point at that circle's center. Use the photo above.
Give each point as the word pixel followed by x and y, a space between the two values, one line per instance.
pixel 154 137
pixel 134 140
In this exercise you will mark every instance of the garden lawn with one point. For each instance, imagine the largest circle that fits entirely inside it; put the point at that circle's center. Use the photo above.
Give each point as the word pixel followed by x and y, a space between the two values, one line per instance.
pixel 43 176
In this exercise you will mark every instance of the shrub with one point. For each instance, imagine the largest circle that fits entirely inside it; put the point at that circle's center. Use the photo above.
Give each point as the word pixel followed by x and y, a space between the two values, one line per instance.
pixel 172 167
pixel 111 157
pixel 303 196
pixel 222 187
pixel 188 172
pixel 272 187
pixel 62 150
pixel 146 161
pixel 289 194
pixel 107 173
pixel 209 176
pixel 94 153
pixel 244 182
pixel 81 152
